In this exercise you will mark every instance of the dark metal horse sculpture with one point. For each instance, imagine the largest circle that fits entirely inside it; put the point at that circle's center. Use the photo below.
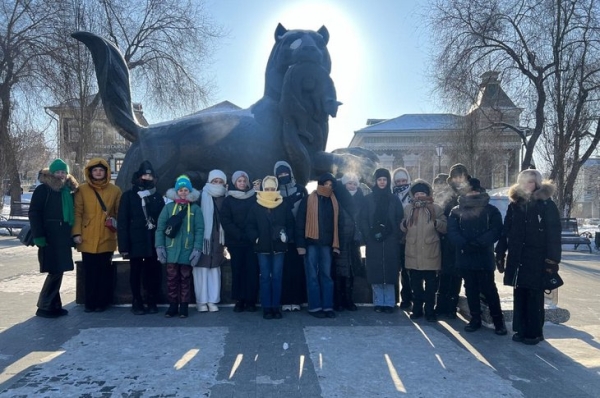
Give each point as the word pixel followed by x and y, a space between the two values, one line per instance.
pixel 290 122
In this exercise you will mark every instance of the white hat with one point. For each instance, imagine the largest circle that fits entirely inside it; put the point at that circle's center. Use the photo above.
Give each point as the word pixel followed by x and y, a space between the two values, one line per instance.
pixel 216 174
pixel 270 182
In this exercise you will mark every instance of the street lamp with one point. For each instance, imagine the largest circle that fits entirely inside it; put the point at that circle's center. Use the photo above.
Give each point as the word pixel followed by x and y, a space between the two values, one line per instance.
pixel 439 150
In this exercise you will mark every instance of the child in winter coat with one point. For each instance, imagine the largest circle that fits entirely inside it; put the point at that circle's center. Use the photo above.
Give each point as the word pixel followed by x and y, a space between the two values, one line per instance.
pixel 423 222
pixel 181 250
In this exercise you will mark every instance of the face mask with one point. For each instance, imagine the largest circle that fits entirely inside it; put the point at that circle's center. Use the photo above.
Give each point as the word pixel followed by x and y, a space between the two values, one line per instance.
pixel 146 184
pixel 284 179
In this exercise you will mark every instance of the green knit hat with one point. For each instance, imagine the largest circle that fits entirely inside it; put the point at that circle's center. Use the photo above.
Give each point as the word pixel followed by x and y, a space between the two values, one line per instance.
pixel 58 165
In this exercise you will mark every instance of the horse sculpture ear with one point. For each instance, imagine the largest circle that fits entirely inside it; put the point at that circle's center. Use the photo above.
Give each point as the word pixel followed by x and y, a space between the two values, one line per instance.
pixel 324 33
pixel 280 31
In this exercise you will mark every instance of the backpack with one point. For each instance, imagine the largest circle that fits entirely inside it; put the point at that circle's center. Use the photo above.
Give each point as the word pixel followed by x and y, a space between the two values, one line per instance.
pixel 174 223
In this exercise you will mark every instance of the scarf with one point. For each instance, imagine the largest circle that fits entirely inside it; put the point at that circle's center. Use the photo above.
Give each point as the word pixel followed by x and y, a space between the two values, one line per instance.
pixel 207 204
pixel 312 214
pixel 270 200
pixel 67 205
pixel 143 194
pixel 241 194
pixel 418 206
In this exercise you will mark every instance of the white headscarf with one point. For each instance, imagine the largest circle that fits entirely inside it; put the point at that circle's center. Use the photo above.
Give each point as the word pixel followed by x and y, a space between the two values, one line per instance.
pixel 209 192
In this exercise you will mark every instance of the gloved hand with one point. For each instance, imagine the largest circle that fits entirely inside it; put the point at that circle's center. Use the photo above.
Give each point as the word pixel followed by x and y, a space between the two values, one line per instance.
pixel 194 257
pixel 39 242
pixel 78 239
pixel 378 237
pixel 301 251
pixel 500 263
pixel 551 266
pixel 161 252
pixel 283 236
pixel 336 252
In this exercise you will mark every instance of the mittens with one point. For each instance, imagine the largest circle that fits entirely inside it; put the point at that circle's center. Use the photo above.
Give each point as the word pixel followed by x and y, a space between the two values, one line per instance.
pixel 194 257
pixel 161 252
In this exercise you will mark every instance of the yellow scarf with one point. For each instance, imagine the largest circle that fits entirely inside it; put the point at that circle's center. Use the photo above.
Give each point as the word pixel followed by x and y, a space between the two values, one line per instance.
pixel 312 214
pixel 269 199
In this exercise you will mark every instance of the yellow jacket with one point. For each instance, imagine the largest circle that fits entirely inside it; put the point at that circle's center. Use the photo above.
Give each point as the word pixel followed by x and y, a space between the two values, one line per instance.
pixel 89 217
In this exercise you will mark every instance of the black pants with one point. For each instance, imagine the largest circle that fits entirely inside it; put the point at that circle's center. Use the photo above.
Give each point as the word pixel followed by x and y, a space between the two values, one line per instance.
pixel 49 299
pixel 343 291
pixel 424 284
pixel 447 299
pixel 293 287
pixel 99 276
pixel 404 294
pixel 528 316
pixel 244 274
pixel 146 270
pixel 479 282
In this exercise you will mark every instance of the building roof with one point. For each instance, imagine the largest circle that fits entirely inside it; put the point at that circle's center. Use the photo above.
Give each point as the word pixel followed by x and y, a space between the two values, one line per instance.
pixel 419 121
pixel 223 106
pixel 491 94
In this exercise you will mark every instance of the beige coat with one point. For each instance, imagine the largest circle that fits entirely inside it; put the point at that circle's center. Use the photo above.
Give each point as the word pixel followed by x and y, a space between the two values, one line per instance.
pixel 89 217
pixel 423 250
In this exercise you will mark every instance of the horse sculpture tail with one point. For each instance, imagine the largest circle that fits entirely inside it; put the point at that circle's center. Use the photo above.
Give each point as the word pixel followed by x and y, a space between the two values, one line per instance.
pixel 113 83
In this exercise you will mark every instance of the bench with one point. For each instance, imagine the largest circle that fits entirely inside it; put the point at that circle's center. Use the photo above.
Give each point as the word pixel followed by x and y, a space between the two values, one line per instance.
pixel 18 217
pixel 570 234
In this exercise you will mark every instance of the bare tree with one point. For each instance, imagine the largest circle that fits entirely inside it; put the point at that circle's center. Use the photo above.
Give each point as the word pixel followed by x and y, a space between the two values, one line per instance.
pixel 548 50
pixel 25 27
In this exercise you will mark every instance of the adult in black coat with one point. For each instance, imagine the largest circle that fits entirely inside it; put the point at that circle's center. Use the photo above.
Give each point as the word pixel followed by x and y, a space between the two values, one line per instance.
pixel 269 225
pixel 379 224
pixel 51 216
pixel 532 235
pixel 136 226
pixel 348 261
pixel 473 228
pixel 244 263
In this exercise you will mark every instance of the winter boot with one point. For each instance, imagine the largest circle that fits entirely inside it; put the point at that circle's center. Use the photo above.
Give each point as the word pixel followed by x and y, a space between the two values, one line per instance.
pixel 474 324
pixel 499 325
pixel 172 311
pixel 137 307
pixel 183 310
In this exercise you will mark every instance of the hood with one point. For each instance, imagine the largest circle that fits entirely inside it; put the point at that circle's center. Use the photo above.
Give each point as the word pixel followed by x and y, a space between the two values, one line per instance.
pixel 286 164
pixel 88 167
pixel 55 183
pixel 419 181
pixel 516 194
pixel 400 170
pixel 192 197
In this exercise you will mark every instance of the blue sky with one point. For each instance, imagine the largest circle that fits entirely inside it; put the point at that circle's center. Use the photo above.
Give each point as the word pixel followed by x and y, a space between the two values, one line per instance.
pixel 379 51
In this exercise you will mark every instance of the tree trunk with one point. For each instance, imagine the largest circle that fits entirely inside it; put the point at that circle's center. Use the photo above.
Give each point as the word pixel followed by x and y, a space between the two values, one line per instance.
pixel 9 153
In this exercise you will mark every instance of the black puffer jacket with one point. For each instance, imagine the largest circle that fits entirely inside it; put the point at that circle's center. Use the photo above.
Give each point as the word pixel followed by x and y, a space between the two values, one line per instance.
pixel 233 219
pixel 133 234
pixel 263 227
pixel 531 234
pixel 46 220
pixel 473 228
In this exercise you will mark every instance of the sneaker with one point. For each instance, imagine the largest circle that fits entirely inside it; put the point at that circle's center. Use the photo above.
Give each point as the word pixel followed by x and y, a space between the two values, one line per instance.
pixel 473 326
pixel 212 307
pixel 202 307
pixel 286 307
pixel 296 307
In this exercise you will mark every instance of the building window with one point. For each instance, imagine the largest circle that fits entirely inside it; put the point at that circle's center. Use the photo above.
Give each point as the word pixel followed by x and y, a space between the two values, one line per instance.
pixel 118 165
pixel 98 135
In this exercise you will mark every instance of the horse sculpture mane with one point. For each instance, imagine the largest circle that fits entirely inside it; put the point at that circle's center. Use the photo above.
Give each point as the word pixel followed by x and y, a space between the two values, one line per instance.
pixel 290 122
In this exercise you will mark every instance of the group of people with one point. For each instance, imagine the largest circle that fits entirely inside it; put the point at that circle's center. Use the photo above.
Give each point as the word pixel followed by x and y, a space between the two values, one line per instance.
pixel 421 242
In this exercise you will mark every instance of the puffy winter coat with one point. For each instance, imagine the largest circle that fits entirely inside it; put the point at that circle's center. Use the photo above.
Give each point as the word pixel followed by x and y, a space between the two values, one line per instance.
pixel 382 258
pixel 89 217
pixel 473 228
pixel 264 226
pixel 133 234
pixel 46 220
pixel 190 234
pixel 531 234
pixel 233 219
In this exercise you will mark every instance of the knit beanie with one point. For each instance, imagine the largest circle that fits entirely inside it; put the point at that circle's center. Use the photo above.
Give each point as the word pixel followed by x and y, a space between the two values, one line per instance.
pixel 145 168
pixel 327 177
pixel 441 179
pixel 183 181
pixel 349 177
pixel 216 174
pixel 475 185
pixel 383 173
pixel 270 182
pixel 236 175
pixel 401 172
pixel 282 169
pixel 59 165
pixel 420 187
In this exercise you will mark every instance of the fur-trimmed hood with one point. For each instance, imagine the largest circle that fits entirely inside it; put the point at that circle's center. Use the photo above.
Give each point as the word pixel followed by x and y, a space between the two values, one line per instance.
pixel 56 183
pixel 192 197
pixel 417 182
pixel 516 194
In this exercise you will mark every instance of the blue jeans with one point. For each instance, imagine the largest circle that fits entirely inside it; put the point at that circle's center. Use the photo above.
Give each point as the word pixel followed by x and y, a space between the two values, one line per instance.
pixel 271 270
pixel 384 294
pixel 319 284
